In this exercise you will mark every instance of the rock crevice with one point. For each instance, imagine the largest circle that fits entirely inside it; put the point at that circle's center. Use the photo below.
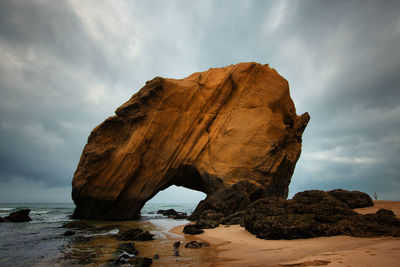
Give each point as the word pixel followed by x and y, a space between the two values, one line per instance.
pixel 212 131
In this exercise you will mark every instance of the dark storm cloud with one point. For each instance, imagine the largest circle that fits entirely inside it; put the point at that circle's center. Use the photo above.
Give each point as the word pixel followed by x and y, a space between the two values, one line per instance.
pixel 353 138
pixel 67 65
pixel 48 64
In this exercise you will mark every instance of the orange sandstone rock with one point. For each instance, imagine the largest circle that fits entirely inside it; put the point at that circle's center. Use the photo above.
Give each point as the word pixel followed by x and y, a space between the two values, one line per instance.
pixel 207 132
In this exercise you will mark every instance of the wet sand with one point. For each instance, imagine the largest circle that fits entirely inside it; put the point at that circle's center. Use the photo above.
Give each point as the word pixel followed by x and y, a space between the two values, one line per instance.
pixel 234 246
pixel 97 248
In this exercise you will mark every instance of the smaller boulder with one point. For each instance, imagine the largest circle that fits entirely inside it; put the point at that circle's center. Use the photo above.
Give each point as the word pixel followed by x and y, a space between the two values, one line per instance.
pixel 176 248
pixel 69 233
pixel 387 217
pixel 1 219
pixel 141 262
pixel 19 216
pixel 386 213
pixel 135 234
pixel 192 229
pixel 132 261
pixel 128 248
pixel 169 212
pixel 196 244
pixel 177 244
pixel 123 258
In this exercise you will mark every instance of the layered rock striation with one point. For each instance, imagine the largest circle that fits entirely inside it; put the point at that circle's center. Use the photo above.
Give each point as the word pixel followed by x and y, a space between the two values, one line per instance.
pixel 226 130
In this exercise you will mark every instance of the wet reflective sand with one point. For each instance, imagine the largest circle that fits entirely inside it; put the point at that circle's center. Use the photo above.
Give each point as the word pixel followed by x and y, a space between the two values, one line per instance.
pixel 99 246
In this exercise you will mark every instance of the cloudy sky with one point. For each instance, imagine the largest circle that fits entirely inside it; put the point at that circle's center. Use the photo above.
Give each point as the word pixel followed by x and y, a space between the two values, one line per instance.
pixel 67 65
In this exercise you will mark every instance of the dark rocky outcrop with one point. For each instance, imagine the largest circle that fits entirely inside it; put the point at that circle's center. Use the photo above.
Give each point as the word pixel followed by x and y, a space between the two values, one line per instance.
pixel 135 234
pixel 122 259
pixel 18 216
pixel 128 248
pixel 228 201
pixel 1 219
pixel 126 259
pixel 209 219
pixel 231 133
pixel 315 213
pixel 177 244
pixel 176 248
pixel 196 244
pixel 192 229
pixel 353 199
pixel 310 213
pixel 128 256
pixel 171 213
pixel 318 198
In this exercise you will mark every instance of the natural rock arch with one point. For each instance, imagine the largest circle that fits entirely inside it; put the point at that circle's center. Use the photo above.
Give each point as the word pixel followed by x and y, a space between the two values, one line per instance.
pixel 185 176
pixel 231 132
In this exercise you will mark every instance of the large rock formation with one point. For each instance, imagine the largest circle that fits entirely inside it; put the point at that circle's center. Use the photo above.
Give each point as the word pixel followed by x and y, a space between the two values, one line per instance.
pixel 231 130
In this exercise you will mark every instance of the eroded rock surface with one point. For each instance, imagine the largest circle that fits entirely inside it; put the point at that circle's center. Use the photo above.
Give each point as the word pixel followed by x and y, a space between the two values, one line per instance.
pixel 316 213
pixel 219 131
pixel 353 199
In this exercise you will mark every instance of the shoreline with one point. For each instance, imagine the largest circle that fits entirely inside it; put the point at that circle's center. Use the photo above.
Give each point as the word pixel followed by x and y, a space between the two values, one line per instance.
pixel 230 245
pixel 234 246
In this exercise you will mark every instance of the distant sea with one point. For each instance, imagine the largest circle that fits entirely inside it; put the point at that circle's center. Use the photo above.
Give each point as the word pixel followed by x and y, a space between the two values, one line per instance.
pixel 41 240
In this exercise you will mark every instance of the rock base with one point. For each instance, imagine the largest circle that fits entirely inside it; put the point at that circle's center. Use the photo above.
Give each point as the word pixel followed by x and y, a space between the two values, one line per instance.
pixel 309 214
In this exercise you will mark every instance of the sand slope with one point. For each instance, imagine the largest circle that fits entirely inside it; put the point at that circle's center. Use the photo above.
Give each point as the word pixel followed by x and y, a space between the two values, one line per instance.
pixel 237 247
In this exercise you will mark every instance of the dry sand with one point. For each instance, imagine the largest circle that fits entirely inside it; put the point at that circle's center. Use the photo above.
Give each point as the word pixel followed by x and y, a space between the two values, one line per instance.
pixel 237 247
pixel 382 204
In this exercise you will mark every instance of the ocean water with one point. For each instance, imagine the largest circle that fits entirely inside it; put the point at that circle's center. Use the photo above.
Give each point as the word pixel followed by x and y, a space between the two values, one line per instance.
pixel 41 242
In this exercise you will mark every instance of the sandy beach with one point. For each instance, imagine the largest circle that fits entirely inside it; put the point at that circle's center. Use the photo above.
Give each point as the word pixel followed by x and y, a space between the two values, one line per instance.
pixel 235 246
